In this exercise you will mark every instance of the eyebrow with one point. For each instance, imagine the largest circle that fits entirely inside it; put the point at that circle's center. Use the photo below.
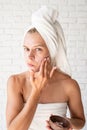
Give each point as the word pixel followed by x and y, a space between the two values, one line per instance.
pixel 35 46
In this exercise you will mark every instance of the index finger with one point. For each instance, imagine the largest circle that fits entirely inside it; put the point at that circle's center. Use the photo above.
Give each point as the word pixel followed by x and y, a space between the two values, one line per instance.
pixel 42 67
pixel 52 71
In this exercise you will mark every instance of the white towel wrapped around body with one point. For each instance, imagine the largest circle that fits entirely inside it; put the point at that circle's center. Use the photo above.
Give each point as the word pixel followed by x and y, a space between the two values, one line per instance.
pixel 43 113
pixel 45 20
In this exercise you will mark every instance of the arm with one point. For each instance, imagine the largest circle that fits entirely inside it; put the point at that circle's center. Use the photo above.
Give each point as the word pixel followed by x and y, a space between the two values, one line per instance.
pixel 77 119
pixel 19 116
pixel 75 105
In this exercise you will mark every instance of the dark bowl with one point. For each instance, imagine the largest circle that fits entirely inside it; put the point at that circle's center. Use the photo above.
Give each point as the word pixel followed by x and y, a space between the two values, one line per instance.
pixel 58 123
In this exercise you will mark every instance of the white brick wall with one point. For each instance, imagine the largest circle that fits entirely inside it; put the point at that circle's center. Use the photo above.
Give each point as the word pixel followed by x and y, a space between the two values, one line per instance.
pixel 15 19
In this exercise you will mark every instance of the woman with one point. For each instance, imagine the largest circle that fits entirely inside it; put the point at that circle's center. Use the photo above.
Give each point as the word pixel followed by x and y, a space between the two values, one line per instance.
pixel 47 87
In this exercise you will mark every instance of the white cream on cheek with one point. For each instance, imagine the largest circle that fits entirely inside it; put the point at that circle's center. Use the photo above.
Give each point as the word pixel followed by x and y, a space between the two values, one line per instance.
pixel 39 60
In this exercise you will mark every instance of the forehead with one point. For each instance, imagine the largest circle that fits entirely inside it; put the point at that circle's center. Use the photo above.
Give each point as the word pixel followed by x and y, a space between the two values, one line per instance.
pixel 33 39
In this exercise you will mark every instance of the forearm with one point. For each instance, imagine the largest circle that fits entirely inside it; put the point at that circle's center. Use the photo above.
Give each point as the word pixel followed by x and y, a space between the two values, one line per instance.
pixel 23 120
pixel 77 123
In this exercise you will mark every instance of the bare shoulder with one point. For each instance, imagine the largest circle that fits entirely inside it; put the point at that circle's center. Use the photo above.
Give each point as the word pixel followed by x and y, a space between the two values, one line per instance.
pixel 69 84
pixel 72 89
pixel 17 76
pixel 16 80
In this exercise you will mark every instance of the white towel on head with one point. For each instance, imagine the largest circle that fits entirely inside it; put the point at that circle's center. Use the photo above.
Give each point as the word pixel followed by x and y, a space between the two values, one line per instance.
pixel 46 23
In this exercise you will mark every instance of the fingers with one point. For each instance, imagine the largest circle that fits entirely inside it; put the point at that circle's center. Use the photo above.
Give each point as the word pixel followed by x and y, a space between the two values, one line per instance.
pixel 42 67
pixel 52 71
pixel 48 126
pixel 47 122
pixel 46 70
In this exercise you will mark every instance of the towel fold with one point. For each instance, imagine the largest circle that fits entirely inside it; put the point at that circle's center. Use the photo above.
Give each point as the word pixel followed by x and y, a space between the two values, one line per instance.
pixel 45 20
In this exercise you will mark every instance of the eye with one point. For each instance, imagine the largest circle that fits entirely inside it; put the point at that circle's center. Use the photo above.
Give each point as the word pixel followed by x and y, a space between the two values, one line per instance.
pixel 38 49
pixel 26 49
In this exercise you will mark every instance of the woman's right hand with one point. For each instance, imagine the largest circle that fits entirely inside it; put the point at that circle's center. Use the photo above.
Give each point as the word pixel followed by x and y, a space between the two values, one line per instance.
pixel 40 79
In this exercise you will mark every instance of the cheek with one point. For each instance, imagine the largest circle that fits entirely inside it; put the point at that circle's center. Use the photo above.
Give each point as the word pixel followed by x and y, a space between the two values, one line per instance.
pixel 39 59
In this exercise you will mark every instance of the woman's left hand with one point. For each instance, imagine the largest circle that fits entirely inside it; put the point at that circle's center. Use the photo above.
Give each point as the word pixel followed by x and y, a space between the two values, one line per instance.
pixel 48 125
pixel 49 128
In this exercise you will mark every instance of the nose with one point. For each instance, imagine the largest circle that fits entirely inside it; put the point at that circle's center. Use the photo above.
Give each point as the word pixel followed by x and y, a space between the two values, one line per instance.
pixel 30 54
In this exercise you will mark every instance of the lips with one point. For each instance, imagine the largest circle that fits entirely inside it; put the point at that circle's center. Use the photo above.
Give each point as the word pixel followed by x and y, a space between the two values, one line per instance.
pixel 30 65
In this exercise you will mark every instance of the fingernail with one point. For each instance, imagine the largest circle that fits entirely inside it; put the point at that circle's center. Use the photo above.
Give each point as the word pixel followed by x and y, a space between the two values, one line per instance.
pixel 48 59
pixel 55 67
pixel 45 59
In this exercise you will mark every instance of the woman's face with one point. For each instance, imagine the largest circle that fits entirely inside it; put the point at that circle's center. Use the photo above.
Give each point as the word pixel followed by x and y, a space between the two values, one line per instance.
pixel 35 50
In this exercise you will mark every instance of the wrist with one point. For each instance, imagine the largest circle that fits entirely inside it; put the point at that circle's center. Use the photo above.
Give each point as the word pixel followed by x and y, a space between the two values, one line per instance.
pixel 35 93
